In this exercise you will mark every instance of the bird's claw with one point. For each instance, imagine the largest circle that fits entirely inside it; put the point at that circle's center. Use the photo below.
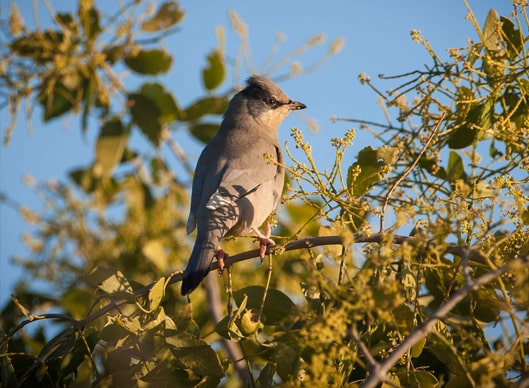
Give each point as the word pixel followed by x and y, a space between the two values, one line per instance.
pixel 220 260
pixel 264 240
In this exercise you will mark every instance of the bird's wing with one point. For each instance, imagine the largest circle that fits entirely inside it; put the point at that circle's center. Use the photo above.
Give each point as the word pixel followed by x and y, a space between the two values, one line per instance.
pixel 221 181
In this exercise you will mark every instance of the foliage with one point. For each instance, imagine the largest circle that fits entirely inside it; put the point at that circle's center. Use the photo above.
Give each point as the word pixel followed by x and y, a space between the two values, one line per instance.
pixel 417 309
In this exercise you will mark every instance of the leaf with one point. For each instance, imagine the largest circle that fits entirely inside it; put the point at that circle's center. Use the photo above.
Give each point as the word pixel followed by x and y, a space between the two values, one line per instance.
pixel 146 115
pixel 156 294
pixel 512 37
pixel 84 179
pixel 487 307
pixel 150 62
pixel 195 354
pixel 418 347
pixel 151 108
pixel 277 305
pixel 266 377
pixel 110 145
pixel 214 73
pixel 204 131
pixel 40 46
pixel 163 100
pixel 455 168
pixel 60 99
pixel 89 17
pixel 77 302
pixel 286 359
pixel 60 345
pixel 491 36
pixel 467 132
pixel 112 282
pixel 367 170
pixel 206 106
pixel 155 252
pixel 168 15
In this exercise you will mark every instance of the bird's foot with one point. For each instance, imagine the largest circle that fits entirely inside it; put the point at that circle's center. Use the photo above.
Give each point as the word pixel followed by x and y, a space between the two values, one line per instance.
pixel 264 240
pixel 220 260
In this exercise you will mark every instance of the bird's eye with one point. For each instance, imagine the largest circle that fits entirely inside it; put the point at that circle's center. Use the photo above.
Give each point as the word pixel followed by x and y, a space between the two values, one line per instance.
pixel 271 102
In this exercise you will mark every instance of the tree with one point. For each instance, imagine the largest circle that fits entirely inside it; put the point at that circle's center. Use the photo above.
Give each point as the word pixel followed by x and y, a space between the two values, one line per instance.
pixel 357 299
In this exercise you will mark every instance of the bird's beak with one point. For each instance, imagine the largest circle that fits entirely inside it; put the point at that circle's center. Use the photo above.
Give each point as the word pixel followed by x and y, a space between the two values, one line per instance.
pixel 296 105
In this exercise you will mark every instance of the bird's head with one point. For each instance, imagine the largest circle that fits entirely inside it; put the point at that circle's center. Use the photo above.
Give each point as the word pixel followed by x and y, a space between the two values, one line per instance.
pixel 264 102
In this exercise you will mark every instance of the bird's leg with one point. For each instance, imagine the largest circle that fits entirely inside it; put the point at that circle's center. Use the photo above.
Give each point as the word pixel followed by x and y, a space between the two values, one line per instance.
pixel 220 259
pixel 264 239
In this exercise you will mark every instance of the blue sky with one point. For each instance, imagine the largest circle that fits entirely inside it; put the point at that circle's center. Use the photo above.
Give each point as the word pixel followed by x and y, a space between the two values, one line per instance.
pixel 377 40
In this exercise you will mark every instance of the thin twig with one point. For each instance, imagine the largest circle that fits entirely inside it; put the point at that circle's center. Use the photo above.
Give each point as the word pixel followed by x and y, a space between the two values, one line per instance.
pixel 408 170
pixel 268 280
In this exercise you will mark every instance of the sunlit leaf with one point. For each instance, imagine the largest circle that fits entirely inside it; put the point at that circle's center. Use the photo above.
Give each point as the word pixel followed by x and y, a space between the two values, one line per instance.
pixel 367 170
pixel 110 145
pixel 156 293
pixel 154 250
pixel 491 36
pixel 214 73
pixel 112 282
pixel 167 15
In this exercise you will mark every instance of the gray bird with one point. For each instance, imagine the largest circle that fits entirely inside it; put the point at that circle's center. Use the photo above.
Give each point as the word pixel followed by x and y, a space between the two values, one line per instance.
pixel 235 187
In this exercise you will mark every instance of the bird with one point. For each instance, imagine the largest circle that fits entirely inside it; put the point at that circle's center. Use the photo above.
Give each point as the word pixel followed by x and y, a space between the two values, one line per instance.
pixel 239 176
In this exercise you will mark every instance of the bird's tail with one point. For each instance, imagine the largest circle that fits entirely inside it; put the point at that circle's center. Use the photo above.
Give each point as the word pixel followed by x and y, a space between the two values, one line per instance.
pixel 198 266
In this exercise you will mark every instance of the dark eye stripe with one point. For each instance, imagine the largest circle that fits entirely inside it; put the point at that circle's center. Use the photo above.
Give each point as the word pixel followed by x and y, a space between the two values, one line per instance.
pixel 271 102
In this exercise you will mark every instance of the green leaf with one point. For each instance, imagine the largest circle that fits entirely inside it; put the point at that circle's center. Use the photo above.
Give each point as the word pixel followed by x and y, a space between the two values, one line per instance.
pixel 512 37
pixel 84 179
pixel 455 169
pixel 487 306
pixel 277 305
pixel 110 145
pixel 89 17
pixel 7 372
pixel 204 131
pixel 214 73
pixel 146 115
pixel 115 53
pixel 60 345
pixel 206 106
pixel 40 46
pixel 112 282
pixel 150 62
pixel 77 302
pixel 367 170
pixel 168 15
pixel 466 133
pixel 59 99
pixel 266 377
pixel 163 100
pixel 195 354
pixel 286 359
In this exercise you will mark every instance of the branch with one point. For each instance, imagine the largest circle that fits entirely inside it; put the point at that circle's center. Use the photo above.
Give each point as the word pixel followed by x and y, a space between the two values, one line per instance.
pixel 380 370
pixel 305 243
